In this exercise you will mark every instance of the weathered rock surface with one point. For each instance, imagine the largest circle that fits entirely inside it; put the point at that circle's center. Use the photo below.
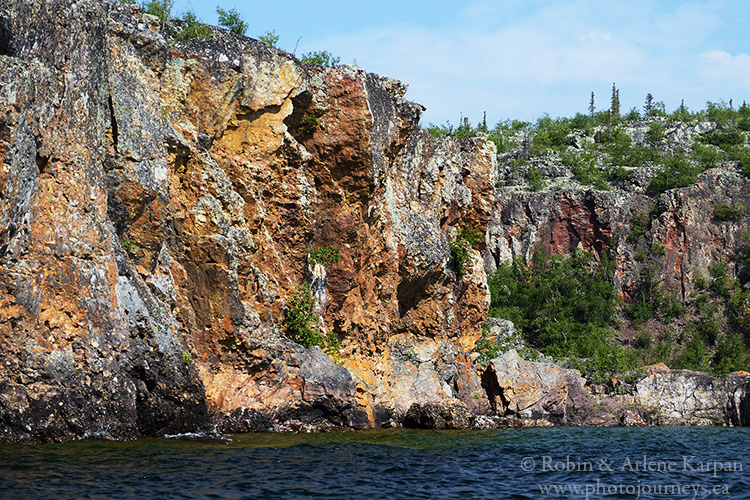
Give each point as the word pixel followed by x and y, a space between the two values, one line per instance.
pixel 681 222
pixel 443 414
pixel 526 389
pixel 158 204
pixel 680 397
pixel 525 392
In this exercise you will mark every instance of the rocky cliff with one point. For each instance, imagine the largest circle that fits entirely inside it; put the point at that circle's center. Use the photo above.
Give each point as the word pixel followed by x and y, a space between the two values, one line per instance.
pixel 163 202
pixel 159 205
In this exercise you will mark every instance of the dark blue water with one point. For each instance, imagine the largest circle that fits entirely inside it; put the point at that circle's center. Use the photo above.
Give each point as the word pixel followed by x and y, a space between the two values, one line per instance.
pixel 663 463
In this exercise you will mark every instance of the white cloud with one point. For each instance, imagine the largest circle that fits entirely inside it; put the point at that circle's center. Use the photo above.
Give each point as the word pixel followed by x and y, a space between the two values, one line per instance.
pixel 516 59
pixel 721 65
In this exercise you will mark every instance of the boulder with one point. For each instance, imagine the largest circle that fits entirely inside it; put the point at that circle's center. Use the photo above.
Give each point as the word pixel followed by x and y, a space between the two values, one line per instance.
pixel 442 414
pixel 523 388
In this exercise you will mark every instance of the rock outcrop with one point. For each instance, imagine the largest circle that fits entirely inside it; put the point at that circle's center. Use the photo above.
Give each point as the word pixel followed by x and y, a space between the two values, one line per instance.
pixel 681 397
pixel 681 235
pixel 526 389
pixel 525 393
pixel 442 414
pixel 159 202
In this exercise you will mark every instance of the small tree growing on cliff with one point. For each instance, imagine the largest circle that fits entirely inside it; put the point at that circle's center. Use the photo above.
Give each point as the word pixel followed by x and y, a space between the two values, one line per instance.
pixel 322 58
pixel 460 247
pixel 232 21
pixel 299 319
pixel 193 29
pixel 270 38
pixel 159 8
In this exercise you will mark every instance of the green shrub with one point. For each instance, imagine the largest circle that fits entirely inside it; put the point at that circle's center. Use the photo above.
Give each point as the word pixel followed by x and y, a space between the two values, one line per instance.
pixel 730 355
pixel 159 8
pixel 563 305
pixel 130 244
pixel 299 319
pixel 550 134
pixel 721 284
pixel 535 180
pixel 581 122
pixel 682 114
pixel 464 130
pixel 269 38
pixel 693 357
pixel 487 349
pixel 460 248
pixel 700 282
pixel 658 248
pixel 720 112
pixel 310 124
pixel 321 58
pixel 678 172
pixel 643 340
pixel 728 212
pixel 708 156
pixel 623 153
pixel 232 21
pixel 743 122
pixel 742 156
pixel 501 142
pixel 671 308
pixel 724 138
pixel 655 132
pixel 324 255
pixel 632 115
pixel 648 298
pixel 638 227
pixel 739 309
pixel 193 29
pixel 584 168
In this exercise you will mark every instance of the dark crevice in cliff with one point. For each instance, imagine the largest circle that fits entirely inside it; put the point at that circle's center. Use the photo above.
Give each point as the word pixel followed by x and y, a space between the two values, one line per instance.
pixel 41 163
pixel 411 291
pixel 5 38
pixel 492 390
pixel 113 122
pixel 250 115
pixel 300 104
pixel 5 236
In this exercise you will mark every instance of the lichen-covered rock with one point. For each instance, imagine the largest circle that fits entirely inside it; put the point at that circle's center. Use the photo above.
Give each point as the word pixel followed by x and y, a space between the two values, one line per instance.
pixel 680 223
pixel 159 201
pixel 681 397
pixel 442 414
pixel 526 389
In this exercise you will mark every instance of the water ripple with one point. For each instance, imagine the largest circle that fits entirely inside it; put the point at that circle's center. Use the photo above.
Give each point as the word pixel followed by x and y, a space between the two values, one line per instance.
pixel 394 464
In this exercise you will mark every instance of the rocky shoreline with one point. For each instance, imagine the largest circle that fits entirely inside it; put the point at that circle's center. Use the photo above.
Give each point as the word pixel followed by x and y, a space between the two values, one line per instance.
pixel 532 394
pixel 162 201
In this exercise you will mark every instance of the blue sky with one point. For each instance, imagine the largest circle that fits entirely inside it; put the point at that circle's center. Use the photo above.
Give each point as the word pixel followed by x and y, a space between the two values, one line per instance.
pixel 520 59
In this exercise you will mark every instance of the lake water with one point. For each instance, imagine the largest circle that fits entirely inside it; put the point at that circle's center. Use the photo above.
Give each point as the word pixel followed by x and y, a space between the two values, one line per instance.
pixel 616 463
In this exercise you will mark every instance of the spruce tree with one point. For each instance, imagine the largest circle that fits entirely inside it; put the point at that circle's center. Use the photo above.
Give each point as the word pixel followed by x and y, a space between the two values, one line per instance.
pixel 648 108
pixel 615 103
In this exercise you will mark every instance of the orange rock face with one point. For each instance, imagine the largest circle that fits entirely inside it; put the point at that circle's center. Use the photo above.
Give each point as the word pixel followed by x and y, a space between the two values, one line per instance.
pixel 158 207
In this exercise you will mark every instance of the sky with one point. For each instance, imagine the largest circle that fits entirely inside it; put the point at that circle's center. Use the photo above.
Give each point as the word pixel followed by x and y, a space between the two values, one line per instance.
pixel 522 59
